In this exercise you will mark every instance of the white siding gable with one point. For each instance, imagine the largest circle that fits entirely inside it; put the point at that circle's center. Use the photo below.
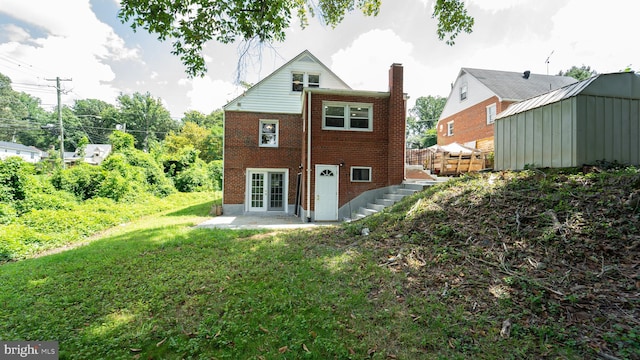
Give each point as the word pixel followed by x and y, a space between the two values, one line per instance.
pixel 477 92
pixel 274 94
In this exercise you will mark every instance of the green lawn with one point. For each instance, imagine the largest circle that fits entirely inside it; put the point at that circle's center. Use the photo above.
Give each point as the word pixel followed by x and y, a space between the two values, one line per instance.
pixel 158 288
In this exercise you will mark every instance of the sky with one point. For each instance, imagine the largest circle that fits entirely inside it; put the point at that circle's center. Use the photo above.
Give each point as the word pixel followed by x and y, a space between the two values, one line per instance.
pixel 84 43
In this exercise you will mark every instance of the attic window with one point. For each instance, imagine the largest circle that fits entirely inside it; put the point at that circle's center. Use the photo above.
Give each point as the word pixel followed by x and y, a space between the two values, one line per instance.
pixel 463 91
pixel 299 80
pixel 297 83
pixel 314 80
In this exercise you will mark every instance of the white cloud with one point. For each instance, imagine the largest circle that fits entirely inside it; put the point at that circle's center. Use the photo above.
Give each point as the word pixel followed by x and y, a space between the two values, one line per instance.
pixel 364 66
pixel 77 48
pixel 207 95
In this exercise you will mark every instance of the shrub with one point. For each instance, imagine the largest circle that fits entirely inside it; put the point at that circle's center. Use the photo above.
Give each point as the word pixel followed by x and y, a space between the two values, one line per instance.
pixel 114 186
pixel 58 200
pixel 7 213
pixel 215 172
pixel 82 180
pixel 13 178
pixel 195 178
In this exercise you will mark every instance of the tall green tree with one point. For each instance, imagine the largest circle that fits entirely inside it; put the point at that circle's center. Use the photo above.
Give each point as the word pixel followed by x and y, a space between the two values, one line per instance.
pixel 210 121
pixel 579 73
pixel 190 24
pixel 422 121
pixel 145 118
pixel 97 118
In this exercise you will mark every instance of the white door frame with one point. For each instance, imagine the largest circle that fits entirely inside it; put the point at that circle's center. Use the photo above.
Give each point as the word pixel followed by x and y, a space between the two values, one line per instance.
pixel 265 171
pixel 329 195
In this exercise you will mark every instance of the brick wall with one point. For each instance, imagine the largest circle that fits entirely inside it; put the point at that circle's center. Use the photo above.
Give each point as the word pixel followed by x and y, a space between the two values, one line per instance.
pixel 470 124
pixel 242 150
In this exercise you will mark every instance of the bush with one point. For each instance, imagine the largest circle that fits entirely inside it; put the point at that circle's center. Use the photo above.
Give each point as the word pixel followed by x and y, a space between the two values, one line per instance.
pixel 215 172
pixel 13 178
pixel 114 186
pixel 58 200
pixel 195 178
pixel 82 180
pixel 7 213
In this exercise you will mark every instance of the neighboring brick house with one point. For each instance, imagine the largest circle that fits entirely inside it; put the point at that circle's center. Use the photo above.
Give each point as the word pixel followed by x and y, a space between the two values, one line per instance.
pixel 478 95
pixel 302 142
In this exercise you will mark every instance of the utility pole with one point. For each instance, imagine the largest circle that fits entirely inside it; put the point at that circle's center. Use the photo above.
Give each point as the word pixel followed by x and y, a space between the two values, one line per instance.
pixel 59 91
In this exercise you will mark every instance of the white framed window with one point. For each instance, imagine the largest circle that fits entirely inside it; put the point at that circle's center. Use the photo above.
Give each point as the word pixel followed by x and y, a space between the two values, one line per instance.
pixel 269 133
pixel 463 91
pixel 360 174
pixel 450 128
pixel 491 114
pixel 347 116
pixel 300 79
pixel 297 81
pixel 313 80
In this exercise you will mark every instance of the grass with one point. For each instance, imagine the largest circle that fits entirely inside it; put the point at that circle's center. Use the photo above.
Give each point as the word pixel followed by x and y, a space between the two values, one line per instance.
pixel 422 285
pixel 159 288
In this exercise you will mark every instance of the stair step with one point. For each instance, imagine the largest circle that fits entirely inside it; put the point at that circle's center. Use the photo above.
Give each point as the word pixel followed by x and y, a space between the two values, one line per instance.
pixel 377 207
pixel 405 191
pixel 367 211
pixel 396 197
pixel 414 186
pixel 385 202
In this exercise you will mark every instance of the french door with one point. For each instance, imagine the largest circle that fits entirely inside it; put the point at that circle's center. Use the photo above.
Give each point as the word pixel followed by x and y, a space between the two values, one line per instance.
pixel 267 190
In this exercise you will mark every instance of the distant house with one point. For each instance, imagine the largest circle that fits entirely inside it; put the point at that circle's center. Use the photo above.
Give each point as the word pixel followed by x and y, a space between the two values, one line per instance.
pixel 478 95
pixel 595 119
pixel 27 153
pixel 94 154
pixel 302 141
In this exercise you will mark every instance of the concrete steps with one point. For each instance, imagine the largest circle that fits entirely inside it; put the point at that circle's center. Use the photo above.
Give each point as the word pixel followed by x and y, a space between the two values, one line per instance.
pixel 395 194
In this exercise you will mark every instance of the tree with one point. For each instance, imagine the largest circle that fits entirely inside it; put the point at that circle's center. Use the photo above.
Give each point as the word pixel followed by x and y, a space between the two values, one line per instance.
pixel 190 24
pixel 423 118
pixel 208 121
pixel 97 118
pixel 579 73
pixel 146 118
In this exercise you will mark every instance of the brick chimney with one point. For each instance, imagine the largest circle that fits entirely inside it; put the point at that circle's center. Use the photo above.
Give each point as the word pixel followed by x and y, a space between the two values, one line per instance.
pixel 397 119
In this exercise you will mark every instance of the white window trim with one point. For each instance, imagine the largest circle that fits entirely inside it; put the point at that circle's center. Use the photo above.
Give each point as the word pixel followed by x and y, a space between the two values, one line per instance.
pixel 305 80
pixel 466 91
pixel 450 128
pixel 268 121
pixel 247 199
pixel 347 122
pixel 359 168
pixel 491 120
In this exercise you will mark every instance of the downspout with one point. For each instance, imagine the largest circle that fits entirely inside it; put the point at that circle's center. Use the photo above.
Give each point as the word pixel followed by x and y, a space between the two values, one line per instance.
pixel 224 120
pixel 309 157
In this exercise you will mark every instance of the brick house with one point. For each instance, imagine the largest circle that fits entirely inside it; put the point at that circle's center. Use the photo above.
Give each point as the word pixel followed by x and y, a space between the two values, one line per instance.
pixel 302 142
pixel 478 95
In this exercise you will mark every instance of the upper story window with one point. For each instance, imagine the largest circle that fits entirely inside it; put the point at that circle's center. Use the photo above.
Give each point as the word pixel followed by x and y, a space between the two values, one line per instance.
pixel 269 133
pixel 450 128
pixel 347 116
pixel 463 91
pixel 300 79
pixel 491 114
pixel 314 80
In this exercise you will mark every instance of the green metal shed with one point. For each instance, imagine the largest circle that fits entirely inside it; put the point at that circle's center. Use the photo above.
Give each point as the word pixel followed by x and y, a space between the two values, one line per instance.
pixel 594 119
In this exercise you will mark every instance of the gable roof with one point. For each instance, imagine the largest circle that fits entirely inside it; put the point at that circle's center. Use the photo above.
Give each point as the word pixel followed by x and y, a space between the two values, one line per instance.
pixel 305 55
pixel 513 86
pixel 16 146
pixel 625 85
